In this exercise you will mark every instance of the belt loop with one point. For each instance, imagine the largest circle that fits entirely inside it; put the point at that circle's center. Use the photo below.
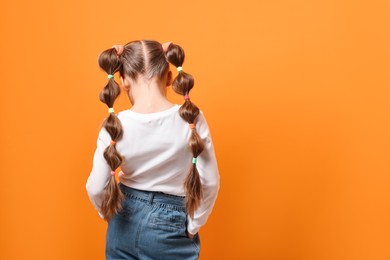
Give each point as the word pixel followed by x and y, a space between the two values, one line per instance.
pixel 151 196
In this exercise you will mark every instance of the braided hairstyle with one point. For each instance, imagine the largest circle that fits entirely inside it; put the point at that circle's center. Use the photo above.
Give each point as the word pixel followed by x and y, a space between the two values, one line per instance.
pixel 149 59
pixel 182 85
pixel 112 197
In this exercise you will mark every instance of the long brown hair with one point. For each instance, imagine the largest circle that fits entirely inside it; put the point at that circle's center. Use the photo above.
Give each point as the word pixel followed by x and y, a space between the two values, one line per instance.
pixel 147 58
pixel 182 85
pixel 113 197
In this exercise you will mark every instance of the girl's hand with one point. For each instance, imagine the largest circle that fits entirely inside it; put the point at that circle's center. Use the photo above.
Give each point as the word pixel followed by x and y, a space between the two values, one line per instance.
pixel 190 236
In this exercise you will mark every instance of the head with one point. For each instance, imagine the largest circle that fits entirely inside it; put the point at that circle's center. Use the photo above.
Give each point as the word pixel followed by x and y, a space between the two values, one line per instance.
pixel 144 61
pixel 147 60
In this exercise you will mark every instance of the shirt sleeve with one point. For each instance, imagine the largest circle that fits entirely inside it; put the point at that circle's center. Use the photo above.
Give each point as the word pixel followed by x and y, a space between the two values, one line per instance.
pixel 100 174
pixel 209 176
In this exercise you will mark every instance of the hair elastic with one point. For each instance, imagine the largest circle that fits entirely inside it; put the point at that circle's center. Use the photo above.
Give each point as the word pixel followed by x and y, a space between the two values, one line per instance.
pixel 119 49
pixel 113 142
pixel 179 68
pixel 110 76
pixel 192 126
pixel 111 110
pixel 113 173
pixel 194 159
pixel 186 97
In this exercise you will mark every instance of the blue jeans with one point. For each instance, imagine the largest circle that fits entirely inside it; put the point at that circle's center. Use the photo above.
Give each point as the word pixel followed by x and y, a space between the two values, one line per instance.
pixel 151 226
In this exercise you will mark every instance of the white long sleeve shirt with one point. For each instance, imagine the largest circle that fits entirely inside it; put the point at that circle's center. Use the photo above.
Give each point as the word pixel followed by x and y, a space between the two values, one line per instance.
pixel 157 158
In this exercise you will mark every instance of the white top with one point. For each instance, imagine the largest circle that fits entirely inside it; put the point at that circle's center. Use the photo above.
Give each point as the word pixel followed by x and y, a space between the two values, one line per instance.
pixel 157 158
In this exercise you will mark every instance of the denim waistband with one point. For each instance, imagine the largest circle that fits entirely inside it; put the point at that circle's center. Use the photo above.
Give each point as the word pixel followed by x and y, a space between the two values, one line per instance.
pixel 154 197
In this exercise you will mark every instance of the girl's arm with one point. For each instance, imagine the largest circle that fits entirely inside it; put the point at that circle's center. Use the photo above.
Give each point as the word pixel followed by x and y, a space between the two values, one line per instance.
pixel 209 176
pixel 100 174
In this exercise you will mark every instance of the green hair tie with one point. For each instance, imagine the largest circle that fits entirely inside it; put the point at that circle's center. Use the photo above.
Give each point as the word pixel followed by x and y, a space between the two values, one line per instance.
pixel 110 76
pixel 194 159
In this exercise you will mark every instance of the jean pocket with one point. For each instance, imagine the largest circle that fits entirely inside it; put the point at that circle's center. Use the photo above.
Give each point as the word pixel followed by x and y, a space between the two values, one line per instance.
pixel 195 241
pixel 167 219
pixel 129 207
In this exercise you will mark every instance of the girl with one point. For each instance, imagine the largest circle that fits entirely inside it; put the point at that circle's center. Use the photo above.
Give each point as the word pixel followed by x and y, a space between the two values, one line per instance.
pixel 169 178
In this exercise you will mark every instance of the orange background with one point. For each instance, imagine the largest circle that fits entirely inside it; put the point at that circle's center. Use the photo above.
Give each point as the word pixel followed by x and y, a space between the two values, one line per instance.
pixel 296 94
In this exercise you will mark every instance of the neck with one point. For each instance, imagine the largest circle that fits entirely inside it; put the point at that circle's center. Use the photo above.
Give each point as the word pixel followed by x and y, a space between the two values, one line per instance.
pixel 149 97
